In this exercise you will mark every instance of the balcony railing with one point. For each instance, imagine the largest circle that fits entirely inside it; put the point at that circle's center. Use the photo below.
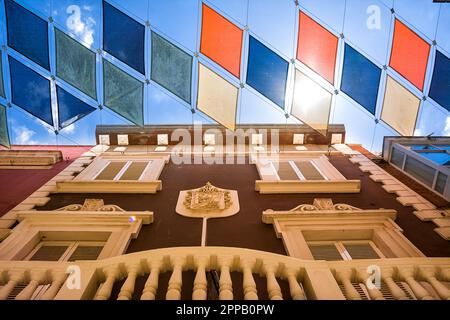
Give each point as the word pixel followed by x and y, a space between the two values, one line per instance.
pixel 404 278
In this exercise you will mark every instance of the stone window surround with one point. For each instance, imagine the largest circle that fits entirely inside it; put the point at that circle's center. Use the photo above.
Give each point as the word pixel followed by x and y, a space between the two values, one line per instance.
pixel 85 181
pixel 270 183
pixel 116 229
pixel 306 223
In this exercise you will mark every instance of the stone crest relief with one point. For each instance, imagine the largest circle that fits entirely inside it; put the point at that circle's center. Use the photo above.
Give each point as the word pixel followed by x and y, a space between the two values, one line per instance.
pixel 208 201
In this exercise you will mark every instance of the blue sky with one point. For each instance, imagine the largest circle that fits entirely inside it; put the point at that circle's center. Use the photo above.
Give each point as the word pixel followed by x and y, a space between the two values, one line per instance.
pixel 273 22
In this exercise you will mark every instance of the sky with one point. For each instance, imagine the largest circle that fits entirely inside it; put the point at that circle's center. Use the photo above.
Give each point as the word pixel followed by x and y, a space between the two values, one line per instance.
pixel 274 23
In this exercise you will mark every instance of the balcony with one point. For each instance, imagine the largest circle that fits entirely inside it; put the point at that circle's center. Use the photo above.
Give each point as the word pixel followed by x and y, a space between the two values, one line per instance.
pixel 403 278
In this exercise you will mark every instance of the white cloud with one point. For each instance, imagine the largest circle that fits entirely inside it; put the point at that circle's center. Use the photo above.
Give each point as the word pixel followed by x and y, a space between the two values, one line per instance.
pixel 70 129
pixel 23 135
pixel 84 30
pixel 158 96
pixel 447 127
pixel 418 132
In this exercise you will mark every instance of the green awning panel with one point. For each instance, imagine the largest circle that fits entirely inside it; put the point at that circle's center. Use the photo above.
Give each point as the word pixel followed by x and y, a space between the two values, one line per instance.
pixel 4 136
pixel 123 93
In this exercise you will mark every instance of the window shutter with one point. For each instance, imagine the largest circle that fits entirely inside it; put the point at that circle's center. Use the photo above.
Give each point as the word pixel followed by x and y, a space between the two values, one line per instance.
pixel 49 253
pixel 361 251
pixel 111 170
pixel 134 171
pixel 309 171
pixel 285 171
pixel 327 252
pixel 86 253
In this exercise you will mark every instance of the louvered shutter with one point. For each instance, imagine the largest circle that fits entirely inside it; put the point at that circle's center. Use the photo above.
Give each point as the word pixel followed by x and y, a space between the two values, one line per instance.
pixel 111 170
pixel 361 251
pixel 327 252
pixel 134 171
pixel 49 252
pixel 86 253
pixel 285 171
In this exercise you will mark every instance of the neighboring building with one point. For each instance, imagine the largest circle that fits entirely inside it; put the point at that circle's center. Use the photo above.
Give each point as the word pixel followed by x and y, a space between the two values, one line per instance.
pixel 281 212
pixel 427 160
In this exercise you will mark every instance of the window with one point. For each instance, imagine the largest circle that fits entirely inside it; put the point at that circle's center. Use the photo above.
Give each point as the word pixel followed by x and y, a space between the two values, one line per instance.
pixel 420 171
pixel 346 250
pixel 66 251
pixel 123 170
pixel 440 183
pixel 397 158
pixel 118 173
pixel 298 170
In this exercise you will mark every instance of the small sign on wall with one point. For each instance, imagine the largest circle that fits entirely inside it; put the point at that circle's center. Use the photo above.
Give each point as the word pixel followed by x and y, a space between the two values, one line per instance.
pixel 210 139
pixel 122 139
pixel 163 139
pixel 257 139
pixel 336 138
pixel 299 138
pixel 104 139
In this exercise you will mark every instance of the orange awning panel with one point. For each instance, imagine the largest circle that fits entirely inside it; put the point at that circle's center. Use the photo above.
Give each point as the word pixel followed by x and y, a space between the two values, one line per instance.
pixel 221 41
pixel 317 47
pixel 409 55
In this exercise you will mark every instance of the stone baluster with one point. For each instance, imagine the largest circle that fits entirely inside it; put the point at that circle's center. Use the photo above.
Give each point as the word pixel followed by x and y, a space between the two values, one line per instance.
pixel 111 274
pixel 199 291
pixel 273 288
pixel 445 274
pixel 249 285
pixel 58 279
pixel 176 280
pixel 429 274
pixel 226 285
pixel 36 278
pixel 387 275
pixel 407 273
pixel 344 276
pixel 151 285
pixel 372 290
pixel 126 292
pixel 296 290
pixel 14 278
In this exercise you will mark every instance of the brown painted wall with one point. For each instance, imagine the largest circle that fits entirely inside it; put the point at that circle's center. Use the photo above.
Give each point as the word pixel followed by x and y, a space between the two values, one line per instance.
pixel 246 229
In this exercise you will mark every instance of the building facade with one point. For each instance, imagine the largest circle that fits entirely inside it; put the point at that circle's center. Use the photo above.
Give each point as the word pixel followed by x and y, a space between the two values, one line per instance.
pixel 180 212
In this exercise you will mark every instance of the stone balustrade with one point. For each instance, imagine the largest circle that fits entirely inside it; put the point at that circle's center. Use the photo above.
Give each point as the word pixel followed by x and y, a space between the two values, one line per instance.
pixel 403 278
